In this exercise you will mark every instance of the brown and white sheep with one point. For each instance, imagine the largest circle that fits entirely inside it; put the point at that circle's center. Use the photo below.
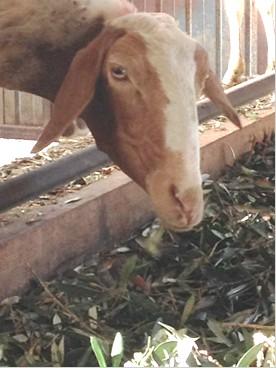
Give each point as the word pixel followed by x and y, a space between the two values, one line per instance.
pixel 134 78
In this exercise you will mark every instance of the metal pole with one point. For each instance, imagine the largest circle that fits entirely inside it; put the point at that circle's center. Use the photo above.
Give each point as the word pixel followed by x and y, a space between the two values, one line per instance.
pixel 239 95
pixel 30 185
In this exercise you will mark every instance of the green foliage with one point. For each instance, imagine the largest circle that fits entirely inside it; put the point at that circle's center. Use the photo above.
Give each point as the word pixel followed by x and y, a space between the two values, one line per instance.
pixel 168 347
pixel 97 348
pixel 216 281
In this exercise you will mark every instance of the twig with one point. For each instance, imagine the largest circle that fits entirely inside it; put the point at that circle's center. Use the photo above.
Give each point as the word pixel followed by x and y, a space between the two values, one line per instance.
pixel 63 307
pixel 247 325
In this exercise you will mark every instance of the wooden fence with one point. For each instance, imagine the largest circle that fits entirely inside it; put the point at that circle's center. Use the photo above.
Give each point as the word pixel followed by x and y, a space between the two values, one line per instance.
pixel 22 114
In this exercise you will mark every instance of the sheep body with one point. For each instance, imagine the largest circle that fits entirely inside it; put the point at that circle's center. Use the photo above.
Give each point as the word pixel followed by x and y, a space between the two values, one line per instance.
pixel 57 23
pixel 31 30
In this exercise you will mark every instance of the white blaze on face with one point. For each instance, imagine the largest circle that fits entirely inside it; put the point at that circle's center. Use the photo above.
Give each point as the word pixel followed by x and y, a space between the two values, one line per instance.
pixel 177 74
pixel 171 52
pixel 174 185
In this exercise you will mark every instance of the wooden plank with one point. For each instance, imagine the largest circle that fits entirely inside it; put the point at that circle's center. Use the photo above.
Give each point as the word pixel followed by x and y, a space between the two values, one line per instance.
pixel 197 20
pixel 97 229
pixel 254 39
pixel 168 6
pixel 180 14
pixel 243 35
pixel 261 46
pixel 9 131
pixel 140 4
pixel 9 107
pixel 220 149
pixel 41 110
pixel 239 95
pixel 209 30
pixel 152 5
pixel 46 111
pixel 1 107
pixel 26 109
pixel 220 22
pixel 33 110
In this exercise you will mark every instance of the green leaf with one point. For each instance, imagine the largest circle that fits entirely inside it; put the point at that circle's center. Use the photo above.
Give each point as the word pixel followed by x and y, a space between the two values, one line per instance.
pixel 117 350
pixel 216 328
pixel 153 243
pixel 93 316
pixel 218 234
pixel 127 270
pixel 250 356
pixel 164 351
pixel 188 309
pixel 98 351
pixel 248 172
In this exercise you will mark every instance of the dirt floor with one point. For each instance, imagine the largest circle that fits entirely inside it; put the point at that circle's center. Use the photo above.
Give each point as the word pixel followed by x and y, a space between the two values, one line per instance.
pixel 33 210
pixel 215 283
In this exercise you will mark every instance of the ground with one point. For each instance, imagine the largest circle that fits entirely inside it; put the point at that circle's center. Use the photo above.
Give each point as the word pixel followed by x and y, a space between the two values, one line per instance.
pixel 12 149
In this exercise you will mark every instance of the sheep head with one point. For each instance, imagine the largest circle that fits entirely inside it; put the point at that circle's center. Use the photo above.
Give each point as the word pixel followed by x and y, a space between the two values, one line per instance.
pixel 136 86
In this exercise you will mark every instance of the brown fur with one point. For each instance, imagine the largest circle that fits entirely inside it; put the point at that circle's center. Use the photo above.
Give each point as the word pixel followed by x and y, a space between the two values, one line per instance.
pixel 39 38
pixel 207 81
pixel 125 122
pixel 78 87
pixel 39 68
pixel 135 117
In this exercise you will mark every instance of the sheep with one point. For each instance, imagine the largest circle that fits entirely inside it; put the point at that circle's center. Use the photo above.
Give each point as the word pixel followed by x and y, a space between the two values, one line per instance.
pixel 38 39
pixel 38 24
pixel 134 78
pixel 234 11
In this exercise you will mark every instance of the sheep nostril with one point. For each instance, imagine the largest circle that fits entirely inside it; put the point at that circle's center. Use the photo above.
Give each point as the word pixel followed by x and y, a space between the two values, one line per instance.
pixel 185 205
pixel 175 194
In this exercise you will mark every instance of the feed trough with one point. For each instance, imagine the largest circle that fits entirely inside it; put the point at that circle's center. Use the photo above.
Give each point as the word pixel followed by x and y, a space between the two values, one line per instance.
pixel 50 238
pixel 215 281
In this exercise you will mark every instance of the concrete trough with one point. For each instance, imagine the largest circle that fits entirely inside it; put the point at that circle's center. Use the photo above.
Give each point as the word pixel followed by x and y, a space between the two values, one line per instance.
pixel 106 212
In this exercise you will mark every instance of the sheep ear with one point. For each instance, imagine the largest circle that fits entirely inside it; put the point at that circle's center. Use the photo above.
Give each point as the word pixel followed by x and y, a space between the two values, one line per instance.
pixel 78 87
pixel 208 83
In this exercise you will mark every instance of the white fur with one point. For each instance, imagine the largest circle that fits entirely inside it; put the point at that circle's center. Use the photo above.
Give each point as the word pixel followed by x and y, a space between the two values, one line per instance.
pixel 171 52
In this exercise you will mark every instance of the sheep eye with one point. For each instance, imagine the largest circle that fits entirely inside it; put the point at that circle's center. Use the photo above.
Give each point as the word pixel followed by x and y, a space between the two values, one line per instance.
pixel 119 72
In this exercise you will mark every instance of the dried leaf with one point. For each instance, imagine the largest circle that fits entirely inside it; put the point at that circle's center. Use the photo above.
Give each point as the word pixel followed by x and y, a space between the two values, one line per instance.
pixel 72 200
pixel 56 319
pixel 93 315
